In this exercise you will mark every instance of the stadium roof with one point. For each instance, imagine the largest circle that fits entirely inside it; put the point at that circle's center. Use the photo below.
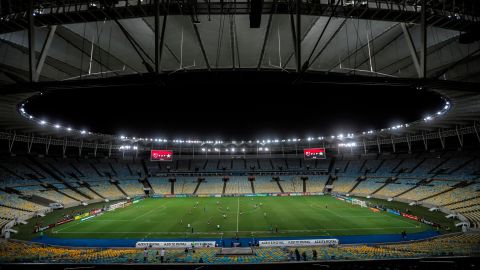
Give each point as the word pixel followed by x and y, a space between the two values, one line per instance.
pixel 86 43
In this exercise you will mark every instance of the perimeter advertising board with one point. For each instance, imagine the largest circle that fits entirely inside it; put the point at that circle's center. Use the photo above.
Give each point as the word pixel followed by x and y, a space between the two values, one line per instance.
pixel 304 242
pixel 175 244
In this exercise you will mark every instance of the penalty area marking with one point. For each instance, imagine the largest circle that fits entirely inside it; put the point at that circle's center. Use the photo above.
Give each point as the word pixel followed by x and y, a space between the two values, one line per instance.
pixel 148 212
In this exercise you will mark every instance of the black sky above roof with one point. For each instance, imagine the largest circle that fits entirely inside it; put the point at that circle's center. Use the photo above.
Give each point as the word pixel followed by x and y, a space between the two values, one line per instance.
pixel 225 107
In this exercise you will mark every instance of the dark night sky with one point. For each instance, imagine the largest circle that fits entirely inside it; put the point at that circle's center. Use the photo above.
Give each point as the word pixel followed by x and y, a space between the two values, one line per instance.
pixel 233 111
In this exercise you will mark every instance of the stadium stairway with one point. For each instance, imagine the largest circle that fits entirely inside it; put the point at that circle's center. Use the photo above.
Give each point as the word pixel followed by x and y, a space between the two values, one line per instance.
pixel 76 169
pixel 224 186
pixel 462 165
pixel 145 168
pixel 434 169
pixel 331 179
pixel 11 172
pixel 331 166
pixel 253 186
pixel 397 166
pixel 279 186
pixel 11 190
pixel 16 208
pixel 96 170
pixel 85 184
pixel 421 182
pixel 172 187
pixel 417 165
pixel 38 200
pixel 304 185
pixel 196 188
pixel 379 165
pixel 38 173
pixel 146 184
pixel 66 195
pixel 129 169
pixel 464 200
pixel 114 182
pixel 459 185
pixel 389 180
pixel 59 179
pixel 359 180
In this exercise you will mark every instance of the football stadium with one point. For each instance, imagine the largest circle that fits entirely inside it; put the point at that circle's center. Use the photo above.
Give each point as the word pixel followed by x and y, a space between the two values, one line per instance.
pixel 260 134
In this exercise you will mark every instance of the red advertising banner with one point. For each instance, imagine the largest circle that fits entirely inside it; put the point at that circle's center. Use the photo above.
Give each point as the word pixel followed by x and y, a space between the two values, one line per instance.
pixel 95 211
pixel 409 216
pixel 161 155
pixel 63 221
pixel 314 153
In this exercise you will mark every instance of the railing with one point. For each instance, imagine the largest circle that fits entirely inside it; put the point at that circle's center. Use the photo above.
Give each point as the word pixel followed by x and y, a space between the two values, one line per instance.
pixel 280 149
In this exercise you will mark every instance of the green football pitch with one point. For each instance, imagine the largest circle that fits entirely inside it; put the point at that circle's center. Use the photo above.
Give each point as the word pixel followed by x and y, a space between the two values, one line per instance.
pixel 242 216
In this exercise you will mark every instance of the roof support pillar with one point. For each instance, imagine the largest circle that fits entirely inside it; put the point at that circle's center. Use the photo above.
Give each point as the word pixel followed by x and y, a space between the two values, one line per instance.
pixel 476 131
pixel 44 52
pixel 424 38
pixel 393 144
pixel 267 33
pixel 138 49
pixel 425 141
pixel 11 141
pixel 442 140
pixel 30 143
pixel 80 148
pixel 459 136
pixel 200 43
pixel 378 145
pixel 31 42
pixel 298 40
pixel 409 144
pixel 64 146
pixel 364 147
pixel 309 62
pixel 157 33
pixel 95 149
pixel 411 48
pixel 48 141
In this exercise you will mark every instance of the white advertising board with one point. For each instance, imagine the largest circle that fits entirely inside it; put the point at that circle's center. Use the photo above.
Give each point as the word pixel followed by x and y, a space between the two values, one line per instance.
pixel 174 244
pixel 304 242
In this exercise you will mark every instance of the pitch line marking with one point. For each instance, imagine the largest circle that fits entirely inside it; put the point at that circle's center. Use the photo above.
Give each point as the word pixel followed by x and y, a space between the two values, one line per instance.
pixel 148 212
pixel 75 224
pixel 238 211
pixel 267 231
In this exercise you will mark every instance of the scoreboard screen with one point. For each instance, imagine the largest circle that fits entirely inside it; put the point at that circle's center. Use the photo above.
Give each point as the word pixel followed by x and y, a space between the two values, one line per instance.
pixel 161 155
pixel 314 153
